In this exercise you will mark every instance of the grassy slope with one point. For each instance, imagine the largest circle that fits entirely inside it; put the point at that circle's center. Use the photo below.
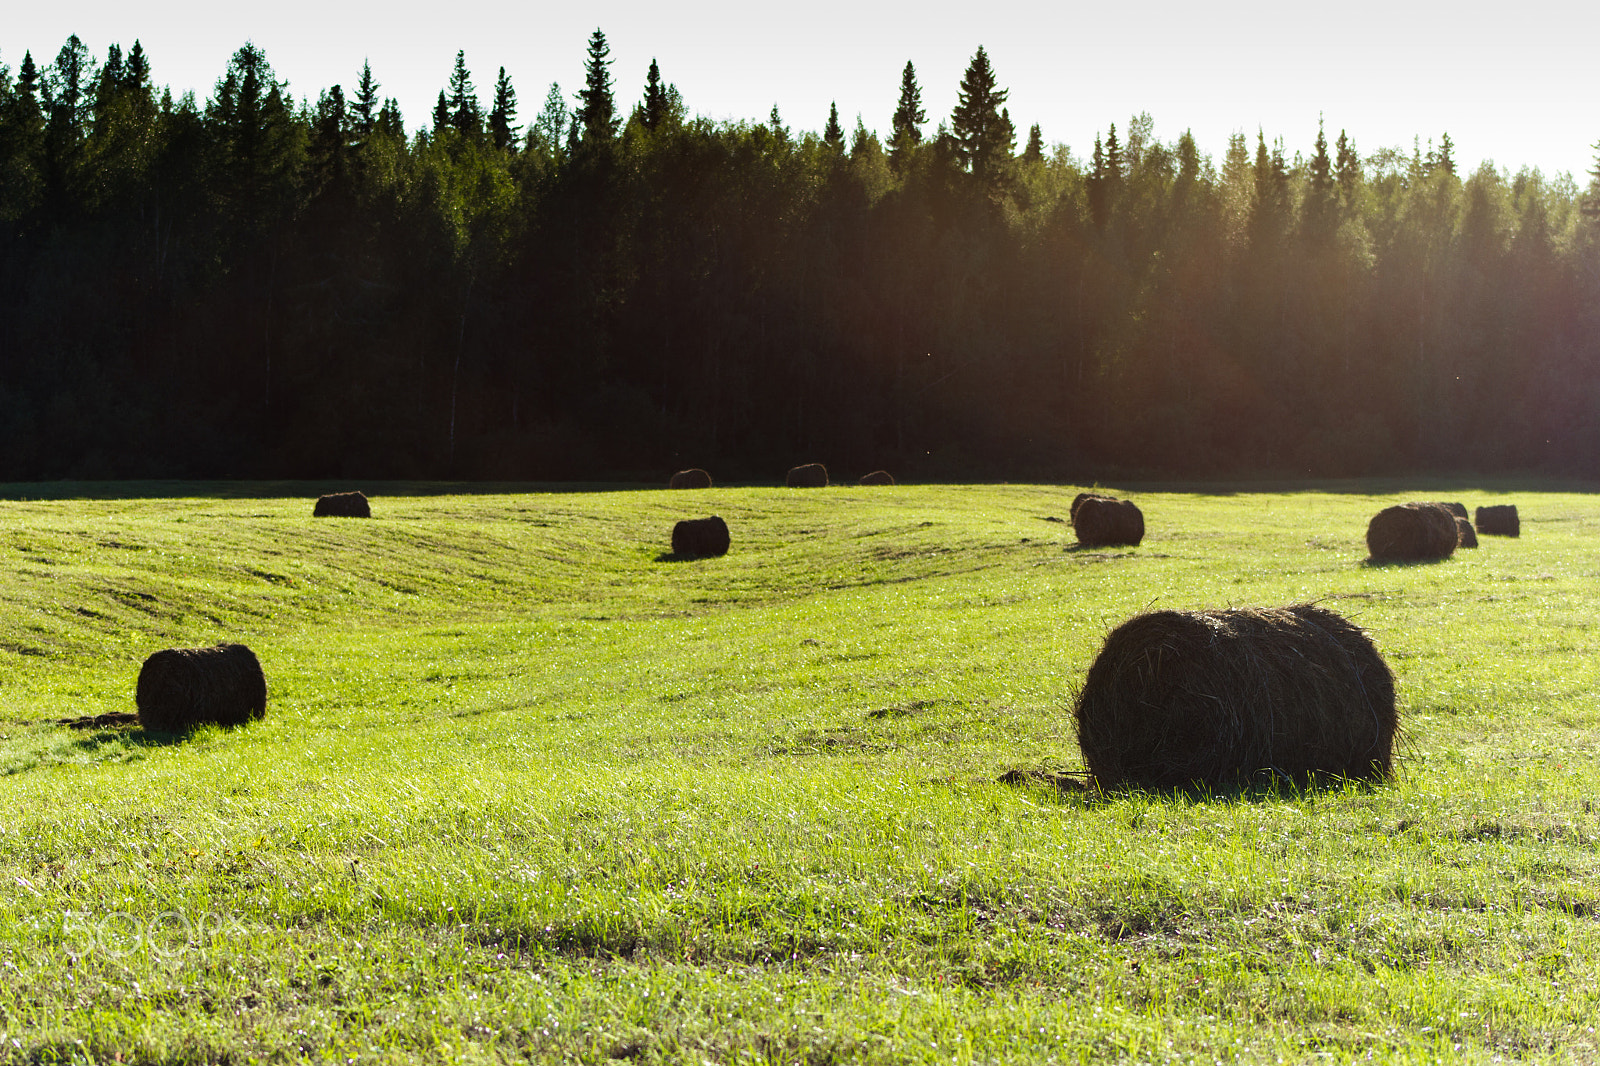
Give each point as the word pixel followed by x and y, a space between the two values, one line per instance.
pixel 524 790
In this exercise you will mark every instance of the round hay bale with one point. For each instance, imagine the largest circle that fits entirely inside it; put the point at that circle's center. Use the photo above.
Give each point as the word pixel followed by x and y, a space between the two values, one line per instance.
pixel 342 505
pixel 1412 532
pixel 878 477
pixel 181 688
pixel 1465 537
pixel 1101 522
pixel 808 476
pixel 1500 520
pixel 1457 509
pixel 700 537
pixel 1179 698
pixel 1077 501
pixel 693 478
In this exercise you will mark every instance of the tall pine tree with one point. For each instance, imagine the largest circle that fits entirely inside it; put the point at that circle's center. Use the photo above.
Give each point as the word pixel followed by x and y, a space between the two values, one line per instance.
pixel 504 113
pixel 908 119
pixel 984 136
pixel 597 111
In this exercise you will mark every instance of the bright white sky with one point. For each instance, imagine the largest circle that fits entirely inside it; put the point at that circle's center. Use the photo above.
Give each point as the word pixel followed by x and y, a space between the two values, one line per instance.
pixel 1515 87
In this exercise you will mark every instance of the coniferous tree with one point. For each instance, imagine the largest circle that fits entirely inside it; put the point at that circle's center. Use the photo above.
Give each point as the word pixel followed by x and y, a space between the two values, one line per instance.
pixel 466 114
pixel 908 119
pixel 1115 169
pixel 1319 208
pixel 653 110
pixel 136 71
pixel 441 115
pixel 597 113
pixel 364 108
pixel 390 122
pixel 503 114
pixel 1034 153
pixel 833 133
pixel 1447 155
pixel 1347 169
pixel 775 124
pixel 984 137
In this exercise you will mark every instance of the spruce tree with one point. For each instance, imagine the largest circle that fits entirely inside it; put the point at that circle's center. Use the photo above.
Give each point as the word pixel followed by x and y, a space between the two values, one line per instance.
pixel 908 119
pixel 833 133
pixel 1114 167
pixel 1347 168
pixel 1447 155
pixel 1318 210
pixel 653 111
pixel 364 108
pixel 597 113
pixel 466 114
pixel 549 130
pixel 503 114
pixel 1034 153
pixel 136 71
pixel 441 115
pixel 984 138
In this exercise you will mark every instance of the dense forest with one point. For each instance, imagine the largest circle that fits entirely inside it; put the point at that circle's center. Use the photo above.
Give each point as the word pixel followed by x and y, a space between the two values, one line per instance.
pixel 252 286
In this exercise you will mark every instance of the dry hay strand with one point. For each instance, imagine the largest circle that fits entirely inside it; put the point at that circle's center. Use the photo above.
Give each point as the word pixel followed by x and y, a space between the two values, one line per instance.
pixel 1412 532
pixel 1077 501
pixel 1465 537
pixel 693 478
pixel 700 537
pixel 1101 521
pixel 878 477
pixel 807 476
pixel 1183 698
pixel 342 505
pixel 1457 509
pixel 1499 520
pixel 181 688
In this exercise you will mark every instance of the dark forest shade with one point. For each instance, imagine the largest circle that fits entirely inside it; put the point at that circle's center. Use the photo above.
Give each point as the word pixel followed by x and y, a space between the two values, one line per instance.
pixel 807 476
pixel 878 477
pixel 181 688
pixel 1102 523
pixel 1498 520
pixel 699 537
pixel 1179 698
pixel 342 505
pixel 707 288
pixel 693 478
pixel 1412 533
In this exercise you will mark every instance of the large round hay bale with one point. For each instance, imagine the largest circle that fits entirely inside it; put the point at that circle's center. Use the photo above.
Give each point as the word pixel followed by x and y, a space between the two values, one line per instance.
pixel 700 536
pixel 1465 537
pixel 1179 698
pixel 1457 509
pixel 1101 522
pixel 693 478
pixel 181 688
pixel 808 476
pixel 1412 532
pixel 1077 501
pixel 1499 520
pixel 342 505
pixel 878 477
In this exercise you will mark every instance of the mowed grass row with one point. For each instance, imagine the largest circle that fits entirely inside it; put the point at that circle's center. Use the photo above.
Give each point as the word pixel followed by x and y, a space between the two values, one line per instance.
pixel 526 791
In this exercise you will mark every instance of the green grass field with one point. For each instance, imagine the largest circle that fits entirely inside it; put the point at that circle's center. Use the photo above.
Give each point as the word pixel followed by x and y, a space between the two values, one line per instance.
pixel 527 791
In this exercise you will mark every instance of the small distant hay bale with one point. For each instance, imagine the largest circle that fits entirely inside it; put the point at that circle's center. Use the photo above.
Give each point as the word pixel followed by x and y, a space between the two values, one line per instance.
pixel 700 537
pixel 1412 532
pixel 693 478
pixel 181 688
pixel 1183 698
pixel 1101 522
pixel 1499 520
pixel 807 476
pixel 1465 537
pixel 878 477
pixel 342 505
pixel 1077 501
pixel 1457 509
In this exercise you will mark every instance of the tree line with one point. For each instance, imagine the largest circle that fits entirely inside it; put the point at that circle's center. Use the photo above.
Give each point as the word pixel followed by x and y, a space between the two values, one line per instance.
pixel 257 287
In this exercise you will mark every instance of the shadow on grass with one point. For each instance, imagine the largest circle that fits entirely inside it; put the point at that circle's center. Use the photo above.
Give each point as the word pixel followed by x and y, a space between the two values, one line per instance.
pixel 678 557
pixel 1373 563
pixel 1263 785
pixel 119 728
